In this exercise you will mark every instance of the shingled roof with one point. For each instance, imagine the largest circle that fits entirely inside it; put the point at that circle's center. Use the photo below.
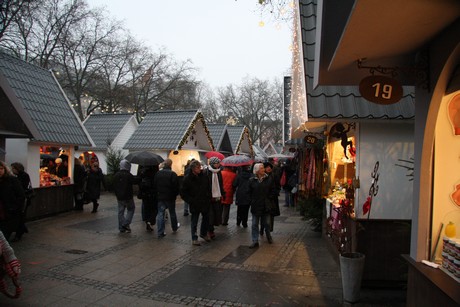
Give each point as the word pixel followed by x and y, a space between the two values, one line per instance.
pixel 240 139
pixel 171 130
pixel 104 128
pixel 34 105
pixel 220 137
pixel 342 102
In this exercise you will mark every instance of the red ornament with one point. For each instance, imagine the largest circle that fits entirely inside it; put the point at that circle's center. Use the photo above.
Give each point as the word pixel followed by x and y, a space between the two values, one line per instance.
pixel 367 205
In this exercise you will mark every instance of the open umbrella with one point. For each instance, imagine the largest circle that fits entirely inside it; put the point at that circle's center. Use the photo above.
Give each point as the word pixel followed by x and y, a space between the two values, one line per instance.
pixel 236 160
pixel 144 158
pixel 216 154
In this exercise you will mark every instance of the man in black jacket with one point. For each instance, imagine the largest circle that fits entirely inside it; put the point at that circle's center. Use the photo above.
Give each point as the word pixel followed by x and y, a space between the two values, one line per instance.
pixel 123 184
pixel 166 187
pixel 196 191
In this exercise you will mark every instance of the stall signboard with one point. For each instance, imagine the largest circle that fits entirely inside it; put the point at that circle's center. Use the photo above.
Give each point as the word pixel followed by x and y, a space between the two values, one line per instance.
pixel 310 139
pixel 381 89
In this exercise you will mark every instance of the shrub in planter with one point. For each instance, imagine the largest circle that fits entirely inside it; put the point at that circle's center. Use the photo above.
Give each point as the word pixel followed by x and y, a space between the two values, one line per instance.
pixel 311 208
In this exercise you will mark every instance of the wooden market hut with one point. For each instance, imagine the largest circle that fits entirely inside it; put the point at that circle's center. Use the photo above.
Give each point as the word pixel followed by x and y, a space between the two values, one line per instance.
pixel 109 132
pixel 220 138
pixel 361 39
pixel 180 135
pixel 36 119
pixel 240 140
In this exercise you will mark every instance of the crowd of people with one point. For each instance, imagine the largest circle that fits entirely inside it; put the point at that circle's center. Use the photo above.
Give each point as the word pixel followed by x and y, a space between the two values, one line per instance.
pixel 208 192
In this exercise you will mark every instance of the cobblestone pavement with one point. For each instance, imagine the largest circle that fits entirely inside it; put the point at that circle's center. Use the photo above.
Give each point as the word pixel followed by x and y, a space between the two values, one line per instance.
pixel 81 259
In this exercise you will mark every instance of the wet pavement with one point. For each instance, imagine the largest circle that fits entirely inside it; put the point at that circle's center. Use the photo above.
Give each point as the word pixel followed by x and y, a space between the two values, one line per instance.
pixel 81 259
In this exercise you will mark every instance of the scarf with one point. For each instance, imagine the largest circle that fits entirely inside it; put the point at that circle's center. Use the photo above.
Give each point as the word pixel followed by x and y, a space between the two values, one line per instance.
pixel 215 187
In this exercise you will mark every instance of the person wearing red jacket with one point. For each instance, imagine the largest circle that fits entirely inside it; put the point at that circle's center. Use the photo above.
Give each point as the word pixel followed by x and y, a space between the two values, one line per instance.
pixel 228 176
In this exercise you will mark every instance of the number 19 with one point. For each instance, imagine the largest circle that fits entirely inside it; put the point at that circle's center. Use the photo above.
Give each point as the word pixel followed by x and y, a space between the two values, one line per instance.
pixel 385 92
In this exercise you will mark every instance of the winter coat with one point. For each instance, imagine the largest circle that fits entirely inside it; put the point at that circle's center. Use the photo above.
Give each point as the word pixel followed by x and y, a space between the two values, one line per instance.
pixel 93 184
pixel 228 177
pixel 166 184
pixel 12 196
pixel 146 188
pixel 219 177
pixel 275 209
pixel 262 195
pixel 241 186
pixel 123 182
pixel 196 191
pixel 79 178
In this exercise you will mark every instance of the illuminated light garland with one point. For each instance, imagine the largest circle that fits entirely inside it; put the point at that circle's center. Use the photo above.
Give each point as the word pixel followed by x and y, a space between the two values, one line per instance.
pixel 245 132
pixel 299 112
pixel 198 117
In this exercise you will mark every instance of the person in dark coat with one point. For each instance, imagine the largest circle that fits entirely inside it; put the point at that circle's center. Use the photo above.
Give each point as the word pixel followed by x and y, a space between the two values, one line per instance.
pixel 93 185
pixel 123 182
pixel 275 211
pixel 12 200
pixel 18 170
pixel 196 191
pixel 289 171
pixel 166 187
pixel 214 173
pixel 147 194
pixel 242 200
pixel 261 192
pixel 79 180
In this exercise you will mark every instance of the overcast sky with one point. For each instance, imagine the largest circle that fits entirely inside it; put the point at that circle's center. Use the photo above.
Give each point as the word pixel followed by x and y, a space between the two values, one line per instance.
pixel 222 38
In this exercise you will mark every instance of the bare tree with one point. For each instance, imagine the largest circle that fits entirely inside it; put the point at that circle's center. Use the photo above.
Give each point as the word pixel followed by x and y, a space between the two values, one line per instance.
pixel 35 34
pixel 9 11
pixel 256 104
pixel 82 54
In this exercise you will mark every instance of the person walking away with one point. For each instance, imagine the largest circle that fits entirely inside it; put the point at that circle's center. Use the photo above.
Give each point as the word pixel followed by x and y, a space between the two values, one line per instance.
pixel 147 194
pixel 242 200
pixel 261 193
pixel 93 185
pixel 123 182
pixel 217 192
pixel 186 172
pixel 166 187
pixel 18 170
pixel 228 176
pixel 79 180
pixel 196 191
pixel 289 199
pixel 275 210
pixel 12 200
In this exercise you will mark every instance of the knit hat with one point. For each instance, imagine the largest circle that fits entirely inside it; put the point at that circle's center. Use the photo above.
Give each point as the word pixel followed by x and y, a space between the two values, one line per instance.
pixel 125 165
pixel 214 160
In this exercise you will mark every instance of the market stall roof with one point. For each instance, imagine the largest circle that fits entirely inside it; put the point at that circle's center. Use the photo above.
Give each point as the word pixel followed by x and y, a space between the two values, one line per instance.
pixel 34 105
pixel 341 102
pixel 240 139
pixel 105 128
pixel 259 153
pixel 171 130
pixel 383 33
pixel 220 137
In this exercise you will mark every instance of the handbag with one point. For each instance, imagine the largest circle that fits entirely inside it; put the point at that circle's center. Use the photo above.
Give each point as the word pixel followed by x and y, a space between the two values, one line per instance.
pixel 29 192
pixel 283 179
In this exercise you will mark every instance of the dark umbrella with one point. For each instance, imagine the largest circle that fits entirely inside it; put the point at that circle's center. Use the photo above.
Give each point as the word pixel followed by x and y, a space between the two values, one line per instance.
pixel 144 158
pixel 237 160
pixel 216 154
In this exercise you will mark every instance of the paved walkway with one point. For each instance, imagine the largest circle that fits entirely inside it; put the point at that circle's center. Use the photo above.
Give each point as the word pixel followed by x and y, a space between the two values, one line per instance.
pixel 81 259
